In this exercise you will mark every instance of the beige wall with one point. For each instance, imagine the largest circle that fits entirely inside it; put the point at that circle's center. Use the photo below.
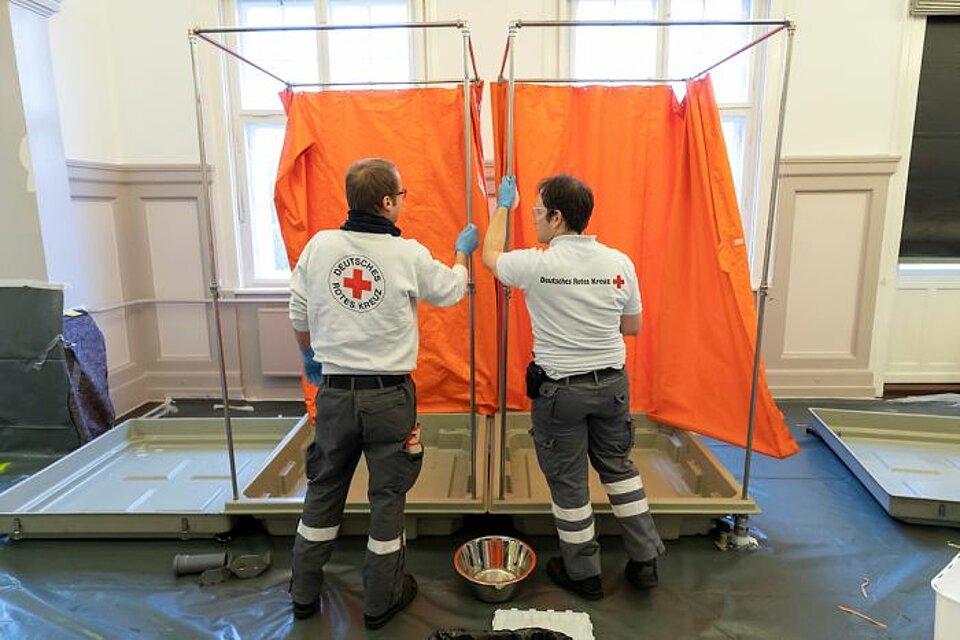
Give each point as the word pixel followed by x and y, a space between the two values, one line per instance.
pixel 125 100
pixel 21 243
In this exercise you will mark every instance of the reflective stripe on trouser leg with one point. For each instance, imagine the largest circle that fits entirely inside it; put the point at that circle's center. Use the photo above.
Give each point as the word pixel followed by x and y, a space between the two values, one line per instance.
pixel 562 454
pixel 393 471
pixel 331 462
pixel 611 445
pixel 576 530
pixel 628 499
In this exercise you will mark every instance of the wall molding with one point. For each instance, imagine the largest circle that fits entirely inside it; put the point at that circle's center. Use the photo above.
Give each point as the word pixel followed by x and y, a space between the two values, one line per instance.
pixel 81 171
pixel 805 350
pixel 818 370
pixel 191 384
pixel 128 389
pixel 45 8
pixel 839 165
pixel 924 344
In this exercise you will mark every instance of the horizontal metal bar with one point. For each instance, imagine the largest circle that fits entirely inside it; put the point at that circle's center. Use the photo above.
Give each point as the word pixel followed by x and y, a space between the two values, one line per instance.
pixel 649 23
pixel 458 24
pixel 597 80
pixel 298 85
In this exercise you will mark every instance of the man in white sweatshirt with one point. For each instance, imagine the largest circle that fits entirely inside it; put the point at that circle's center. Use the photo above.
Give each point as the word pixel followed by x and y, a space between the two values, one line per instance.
pixel 353 306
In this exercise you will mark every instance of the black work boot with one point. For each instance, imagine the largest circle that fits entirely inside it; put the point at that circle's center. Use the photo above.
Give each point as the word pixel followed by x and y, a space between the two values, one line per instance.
pixel 301 611
pixel 589 588
pixel 642 575
pixel 407 594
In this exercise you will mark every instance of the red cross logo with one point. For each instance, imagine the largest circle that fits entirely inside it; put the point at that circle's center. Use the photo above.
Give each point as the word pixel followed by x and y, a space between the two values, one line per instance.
pixel 359 285
pixel 619 281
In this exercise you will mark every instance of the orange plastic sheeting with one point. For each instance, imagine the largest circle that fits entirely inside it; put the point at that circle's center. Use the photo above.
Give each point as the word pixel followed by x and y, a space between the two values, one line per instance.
pixel 664 195
pixel 421 130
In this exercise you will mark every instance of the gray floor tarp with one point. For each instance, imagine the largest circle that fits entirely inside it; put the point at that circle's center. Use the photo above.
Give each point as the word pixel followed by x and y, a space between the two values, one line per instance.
pixel 823 534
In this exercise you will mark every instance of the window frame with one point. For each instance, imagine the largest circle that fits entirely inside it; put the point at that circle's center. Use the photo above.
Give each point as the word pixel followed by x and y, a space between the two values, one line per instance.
pixel 752 110
pixel 238 119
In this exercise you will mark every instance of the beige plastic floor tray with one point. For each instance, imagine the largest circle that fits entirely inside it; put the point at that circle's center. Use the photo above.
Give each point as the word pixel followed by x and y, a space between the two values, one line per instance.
pixel 687 487
pixel 909 462
pixel 144 478
pixel 435 504
pixel 170 478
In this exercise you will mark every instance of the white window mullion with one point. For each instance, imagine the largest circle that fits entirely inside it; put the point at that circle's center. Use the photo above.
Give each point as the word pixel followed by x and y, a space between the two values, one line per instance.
pixel 323 43
pixel 663 38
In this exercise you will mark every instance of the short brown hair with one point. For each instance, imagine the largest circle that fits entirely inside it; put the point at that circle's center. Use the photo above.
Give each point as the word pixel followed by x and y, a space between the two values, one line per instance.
pixel 571 197
pixel 368 181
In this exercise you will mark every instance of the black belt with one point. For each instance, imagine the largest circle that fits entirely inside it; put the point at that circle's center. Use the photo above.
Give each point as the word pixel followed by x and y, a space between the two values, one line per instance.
pixel 334 381
pixel 592 376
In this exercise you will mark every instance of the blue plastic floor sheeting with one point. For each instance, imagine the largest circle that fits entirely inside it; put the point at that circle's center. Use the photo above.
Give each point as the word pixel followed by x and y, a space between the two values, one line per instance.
pixel 824 535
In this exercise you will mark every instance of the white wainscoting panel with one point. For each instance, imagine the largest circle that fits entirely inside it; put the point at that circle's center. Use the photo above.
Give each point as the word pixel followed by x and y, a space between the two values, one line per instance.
pixel 925 337
pixel 824 274
pixel 183 331
pixel 177 265
pixel 823 292
pixel 113 324
pixel 279 355
pixel 175 255
pixel 92 273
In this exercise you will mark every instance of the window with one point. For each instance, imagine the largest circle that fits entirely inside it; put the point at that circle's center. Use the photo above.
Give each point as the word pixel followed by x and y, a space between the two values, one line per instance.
pixel 931 237
pixel 612 53
pixel 297 57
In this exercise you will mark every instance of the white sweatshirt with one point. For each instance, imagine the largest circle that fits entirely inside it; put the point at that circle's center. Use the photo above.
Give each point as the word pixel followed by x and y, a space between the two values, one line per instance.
pixel 356 293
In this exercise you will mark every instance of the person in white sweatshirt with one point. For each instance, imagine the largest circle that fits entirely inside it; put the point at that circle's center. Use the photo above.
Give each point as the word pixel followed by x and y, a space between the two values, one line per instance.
pixel 353 306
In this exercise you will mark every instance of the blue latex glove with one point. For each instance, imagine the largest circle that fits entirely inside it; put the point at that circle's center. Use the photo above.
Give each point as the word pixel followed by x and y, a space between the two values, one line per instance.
pixel 467 240
pixel 311 367
pixel 507 193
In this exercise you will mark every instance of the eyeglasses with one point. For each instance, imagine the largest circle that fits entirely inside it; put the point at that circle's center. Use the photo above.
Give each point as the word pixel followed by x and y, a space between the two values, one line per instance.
pixel 402 192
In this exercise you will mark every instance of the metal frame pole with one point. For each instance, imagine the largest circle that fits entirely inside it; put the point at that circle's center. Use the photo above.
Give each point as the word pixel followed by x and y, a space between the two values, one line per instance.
pixel 212 257
pixel 649 23
pixel 366 83
pixel 740 528
pixel 193 35
pixel 242 58
pixel 505 307
pixel 471 285
pixel 459 24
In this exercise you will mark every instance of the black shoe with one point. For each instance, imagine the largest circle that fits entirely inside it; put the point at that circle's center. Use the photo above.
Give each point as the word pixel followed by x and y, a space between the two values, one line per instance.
pixel 642 575
pixel 588 588
pixel 407 594
pixel 304 611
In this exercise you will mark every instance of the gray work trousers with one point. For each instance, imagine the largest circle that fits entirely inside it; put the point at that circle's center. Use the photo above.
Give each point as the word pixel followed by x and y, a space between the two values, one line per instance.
pixel 590 418
pixel 376 422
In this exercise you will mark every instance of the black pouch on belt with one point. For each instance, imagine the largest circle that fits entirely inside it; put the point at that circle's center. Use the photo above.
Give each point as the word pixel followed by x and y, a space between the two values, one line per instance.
pixel 535 377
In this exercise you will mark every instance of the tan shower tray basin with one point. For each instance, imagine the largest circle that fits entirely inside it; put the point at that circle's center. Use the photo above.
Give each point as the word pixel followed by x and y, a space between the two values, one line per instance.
pixel 687 486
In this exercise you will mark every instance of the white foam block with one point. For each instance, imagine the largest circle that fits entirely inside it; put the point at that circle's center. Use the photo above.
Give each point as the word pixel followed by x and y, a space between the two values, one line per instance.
pixel 575 624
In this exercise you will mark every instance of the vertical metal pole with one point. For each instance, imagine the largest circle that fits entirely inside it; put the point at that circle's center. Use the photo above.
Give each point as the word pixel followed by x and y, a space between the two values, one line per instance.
pixel 471 285
pixel 505 307
pixel 765 272
pixel 212 257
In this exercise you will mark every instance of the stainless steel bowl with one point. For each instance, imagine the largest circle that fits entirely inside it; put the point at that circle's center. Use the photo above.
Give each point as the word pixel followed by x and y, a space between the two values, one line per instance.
pixel 493 566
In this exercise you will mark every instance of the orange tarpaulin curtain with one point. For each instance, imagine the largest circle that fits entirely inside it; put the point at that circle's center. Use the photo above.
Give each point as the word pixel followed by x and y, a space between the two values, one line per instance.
pixel 664 195
pixel 421 130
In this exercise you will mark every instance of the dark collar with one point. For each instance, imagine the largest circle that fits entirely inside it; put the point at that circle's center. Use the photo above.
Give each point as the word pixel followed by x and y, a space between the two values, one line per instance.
pixel 366 222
